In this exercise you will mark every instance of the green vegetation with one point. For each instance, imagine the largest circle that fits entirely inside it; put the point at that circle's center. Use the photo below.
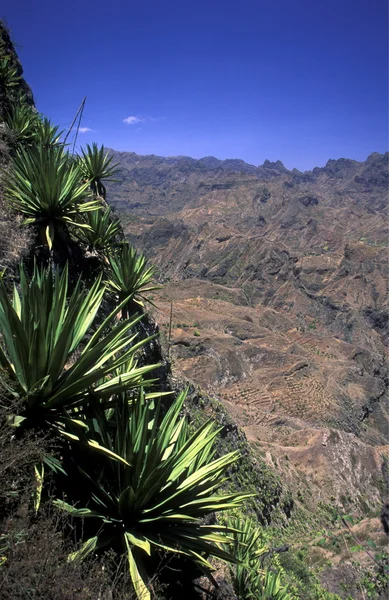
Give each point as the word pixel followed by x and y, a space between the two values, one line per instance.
pixel 247 579
pixel 45 186
pixel 96 166
pixel 102 232
pixel 9 76
pixel 22 121
pixel 43 330
pixel 123 459
pixel 153 498
pixel 142 483
pixel 129 277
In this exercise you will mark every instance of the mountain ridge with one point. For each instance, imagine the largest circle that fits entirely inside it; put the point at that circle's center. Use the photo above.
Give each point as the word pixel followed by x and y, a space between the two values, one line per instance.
pixel 214 163
pixel 159 185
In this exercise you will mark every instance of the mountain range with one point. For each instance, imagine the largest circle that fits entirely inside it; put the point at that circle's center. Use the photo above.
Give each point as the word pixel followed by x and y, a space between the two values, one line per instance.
pixel 277 284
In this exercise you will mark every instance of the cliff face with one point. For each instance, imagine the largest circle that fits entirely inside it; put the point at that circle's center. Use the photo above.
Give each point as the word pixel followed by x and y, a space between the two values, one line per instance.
pixel 8 50
pixel 14 241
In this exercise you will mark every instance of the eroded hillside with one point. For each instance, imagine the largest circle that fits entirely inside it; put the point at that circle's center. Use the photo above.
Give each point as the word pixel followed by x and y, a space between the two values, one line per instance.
pixel 278 287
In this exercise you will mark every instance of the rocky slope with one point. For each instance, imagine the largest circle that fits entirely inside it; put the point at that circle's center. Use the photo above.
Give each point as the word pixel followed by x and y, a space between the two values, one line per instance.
pixel 278 286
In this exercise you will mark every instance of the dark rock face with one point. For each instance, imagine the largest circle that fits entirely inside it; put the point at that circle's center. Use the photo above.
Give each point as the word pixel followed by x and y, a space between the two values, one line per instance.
pixel 385 518
pixel 15 240
pixel 309 201
pixel 379 318
pixel 7 49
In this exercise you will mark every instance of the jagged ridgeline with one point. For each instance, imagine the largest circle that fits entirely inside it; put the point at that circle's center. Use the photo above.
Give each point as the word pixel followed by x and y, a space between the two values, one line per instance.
pixel 109 488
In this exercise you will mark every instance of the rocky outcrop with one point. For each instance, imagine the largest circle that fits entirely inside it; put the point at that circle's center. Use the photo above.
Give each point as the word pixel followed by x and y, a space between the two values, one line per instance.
pixel 8 49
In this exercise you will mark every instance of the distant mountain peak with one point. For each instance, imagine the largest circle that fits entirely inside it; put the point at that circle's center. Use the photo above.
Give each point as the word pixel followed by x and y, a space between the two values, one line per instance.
pixel 273 165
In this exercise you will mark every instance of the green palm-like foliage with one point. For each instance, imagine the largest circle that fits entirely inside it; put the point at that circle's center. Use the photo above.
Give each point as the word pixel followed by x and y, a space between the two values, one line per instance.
pixel 271 588
pixel 96 166
pixel 130 276
pixel 47 134
pixel 47 189
pixel 23 121
pixel 103 231
pixel 9 78
pixel 51 364
pixel 155 499
pixel 248 548
pixel 249 579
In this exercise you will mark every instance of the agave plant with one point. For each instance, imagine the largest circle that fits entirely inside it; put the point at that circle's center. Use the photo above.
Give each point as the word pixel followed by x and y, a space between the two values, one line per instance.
pixel 47 189
pixel 272 588
pixel 96 166
pixel 154 499
pixel 9 76
pixel 23 120
pixel 130 276
pixel 47 134
pixel 103 231
pixel 50 355
pixel 248 548
pixel 249 578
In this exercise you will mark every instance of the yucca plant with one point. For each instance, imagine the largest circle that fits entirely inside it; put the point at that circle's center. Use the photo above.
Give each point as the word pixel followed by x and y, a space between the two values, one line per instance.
pixel 130 276
pixel 23 121
pixel 96 166
pixel 52 358
pixel 47 189
pixel 154 500
pixel 250 580
pixel 103 231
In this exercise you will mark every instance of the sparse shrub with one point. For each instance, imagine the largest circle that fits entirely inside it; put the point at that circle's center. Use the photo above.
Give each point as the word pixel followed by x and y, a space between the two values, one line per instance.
pixel 15 240
pixel 35 565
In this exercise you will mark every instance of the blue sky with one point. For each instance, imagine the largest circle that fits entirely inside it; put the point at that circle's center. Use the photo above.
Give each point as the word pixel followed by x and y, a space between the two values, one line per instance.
pixel 297 80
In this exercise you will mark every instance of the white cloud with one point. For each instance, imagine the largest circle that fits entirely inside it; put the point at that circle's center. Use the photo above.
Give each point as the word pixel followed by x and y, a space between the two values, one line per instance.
pixel 133 120
pixel 85 129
